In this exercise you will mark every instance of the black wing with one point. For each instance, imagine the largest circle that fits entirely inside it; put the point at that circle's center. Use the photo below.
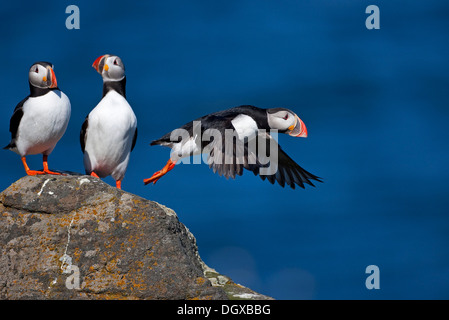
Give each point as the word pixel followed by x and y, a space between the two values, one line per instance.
pixel 224 151
pixel 83 133
pixel 250 156
pixel 288 171
pixel 134 140
pixel 15 122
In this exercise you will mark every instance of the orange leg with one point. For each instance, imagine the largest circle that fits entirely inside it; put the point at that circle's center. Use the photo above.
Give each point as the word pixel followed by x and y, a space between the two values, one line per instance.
pixel 118 184
pixel 35 172
pixel 157 175
pixel 93 174
pixel 28 171
pixel 46 170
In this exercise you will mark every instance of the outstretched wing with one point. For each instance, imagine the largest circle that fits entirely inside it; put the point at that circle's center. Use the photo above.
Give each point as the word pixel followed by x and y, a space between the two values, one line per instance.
pixel 263 156
pixel 288 171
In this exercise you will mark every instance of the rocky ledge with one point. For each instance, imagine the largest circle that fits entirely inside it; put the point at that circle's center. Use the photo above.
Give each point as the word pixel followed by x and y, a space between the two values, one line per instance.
pixel 76 237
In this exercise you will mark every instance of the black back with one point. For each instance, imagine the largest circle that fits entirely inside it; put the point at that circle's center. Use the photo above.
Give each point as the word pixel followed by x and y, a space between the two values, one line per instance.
pixel 221 120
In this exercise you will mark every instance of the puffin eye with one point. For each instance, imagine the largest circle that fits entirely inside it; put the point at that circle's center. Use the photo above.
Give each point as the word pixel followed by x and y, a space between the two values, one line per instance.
pixel 115 62
pixel 286 116
pixel 36 70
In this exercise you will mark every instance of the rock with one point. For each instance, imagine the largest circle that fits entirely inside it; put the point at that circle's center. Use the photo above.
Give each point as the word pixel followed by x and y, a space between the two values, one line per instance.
pixel 76 237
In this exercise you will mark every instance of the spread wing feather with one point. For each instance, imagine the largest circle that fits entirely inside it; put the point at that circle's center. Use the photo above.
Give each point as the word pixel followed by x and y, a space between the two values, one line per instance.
pixel 231 162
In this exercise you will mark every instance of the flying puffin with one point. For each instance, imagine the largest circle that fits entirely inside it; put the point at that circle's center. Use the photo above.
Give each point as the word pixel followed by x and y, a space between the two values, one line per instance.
pixel 39 120
pixel 250 127
pixel 109 132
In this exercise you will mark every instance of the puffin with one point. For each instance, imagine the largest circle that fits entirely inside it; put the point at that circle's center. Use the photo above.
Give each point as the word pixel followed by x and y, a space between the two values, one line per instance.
pixel 109 131
pixel 40 120
pixel 240 138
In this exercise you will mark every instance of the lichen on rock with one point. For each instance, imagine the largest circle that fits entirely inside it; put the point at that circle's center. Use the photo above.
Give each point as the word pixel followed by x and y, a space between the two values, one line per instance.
pixel 76 237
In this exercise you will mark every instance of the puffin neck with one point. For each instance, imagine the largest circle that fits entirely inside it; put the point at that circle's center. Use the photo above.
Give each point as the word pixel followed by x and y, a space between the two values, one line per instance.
pixel 37 92
pixel 118 86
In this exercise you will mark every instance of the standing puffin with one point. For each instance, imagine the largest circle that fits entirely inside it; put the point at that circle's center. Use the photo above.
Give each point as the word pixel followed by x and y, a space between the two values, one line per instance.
pixel 39 120
pixel 248 123
pixel 109 132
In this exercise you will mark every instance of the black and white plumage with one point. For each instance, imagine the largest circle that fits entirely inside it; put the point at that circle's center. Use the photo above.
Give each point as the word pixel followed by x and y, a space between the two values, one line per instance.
pixel 109 132
pixel 40 120
pixel 249 149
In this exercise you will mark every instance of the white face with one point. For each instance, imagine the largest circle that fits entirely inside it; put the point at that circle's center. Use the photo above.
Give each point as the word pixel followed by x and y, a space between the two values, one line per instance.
pixel 40 76
pixel 286 121
pixel 113 68
pixel 281 119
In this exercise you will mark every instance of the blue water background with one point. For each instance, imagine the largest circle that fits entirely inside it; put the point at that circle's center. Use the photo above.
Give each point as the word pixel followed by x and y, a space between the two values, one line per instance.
pixel 375 102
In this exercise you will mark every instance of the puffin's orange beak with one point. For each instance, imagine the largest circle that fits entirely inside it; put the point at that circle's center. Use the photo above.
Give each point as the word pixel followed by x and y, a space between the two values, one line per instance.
pixel 298 129
pixel 97 62
pixel 54 82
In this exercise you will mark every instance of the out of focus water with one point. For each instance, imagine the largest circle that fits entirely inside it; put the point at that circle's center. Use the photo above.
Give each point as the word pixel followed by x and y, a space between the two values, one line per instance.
pixel 375 103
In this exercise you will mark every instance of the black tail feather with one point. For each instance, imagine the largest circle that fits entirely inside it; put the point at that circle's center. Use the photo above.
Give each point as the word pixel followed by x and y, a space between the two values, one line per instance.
pixel 10 146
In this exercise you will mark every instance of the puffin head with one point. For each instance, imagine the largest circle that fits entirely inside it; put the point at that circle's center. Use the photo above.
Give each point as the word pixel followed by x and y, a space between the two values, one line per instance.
pixel 286 121
pixel 41 75
pixel 110 67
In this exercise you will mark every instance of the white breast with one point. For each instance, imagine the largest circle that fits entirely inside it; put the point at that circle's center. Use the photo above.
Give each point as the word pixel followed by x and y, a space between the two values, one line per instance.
pixel 44 122
pixel 111 128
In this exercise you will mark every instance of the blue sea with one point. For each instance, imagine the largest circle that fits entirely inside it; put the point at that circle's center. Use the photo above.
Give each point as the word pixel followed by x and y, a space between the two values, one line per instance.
pixel 375 103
